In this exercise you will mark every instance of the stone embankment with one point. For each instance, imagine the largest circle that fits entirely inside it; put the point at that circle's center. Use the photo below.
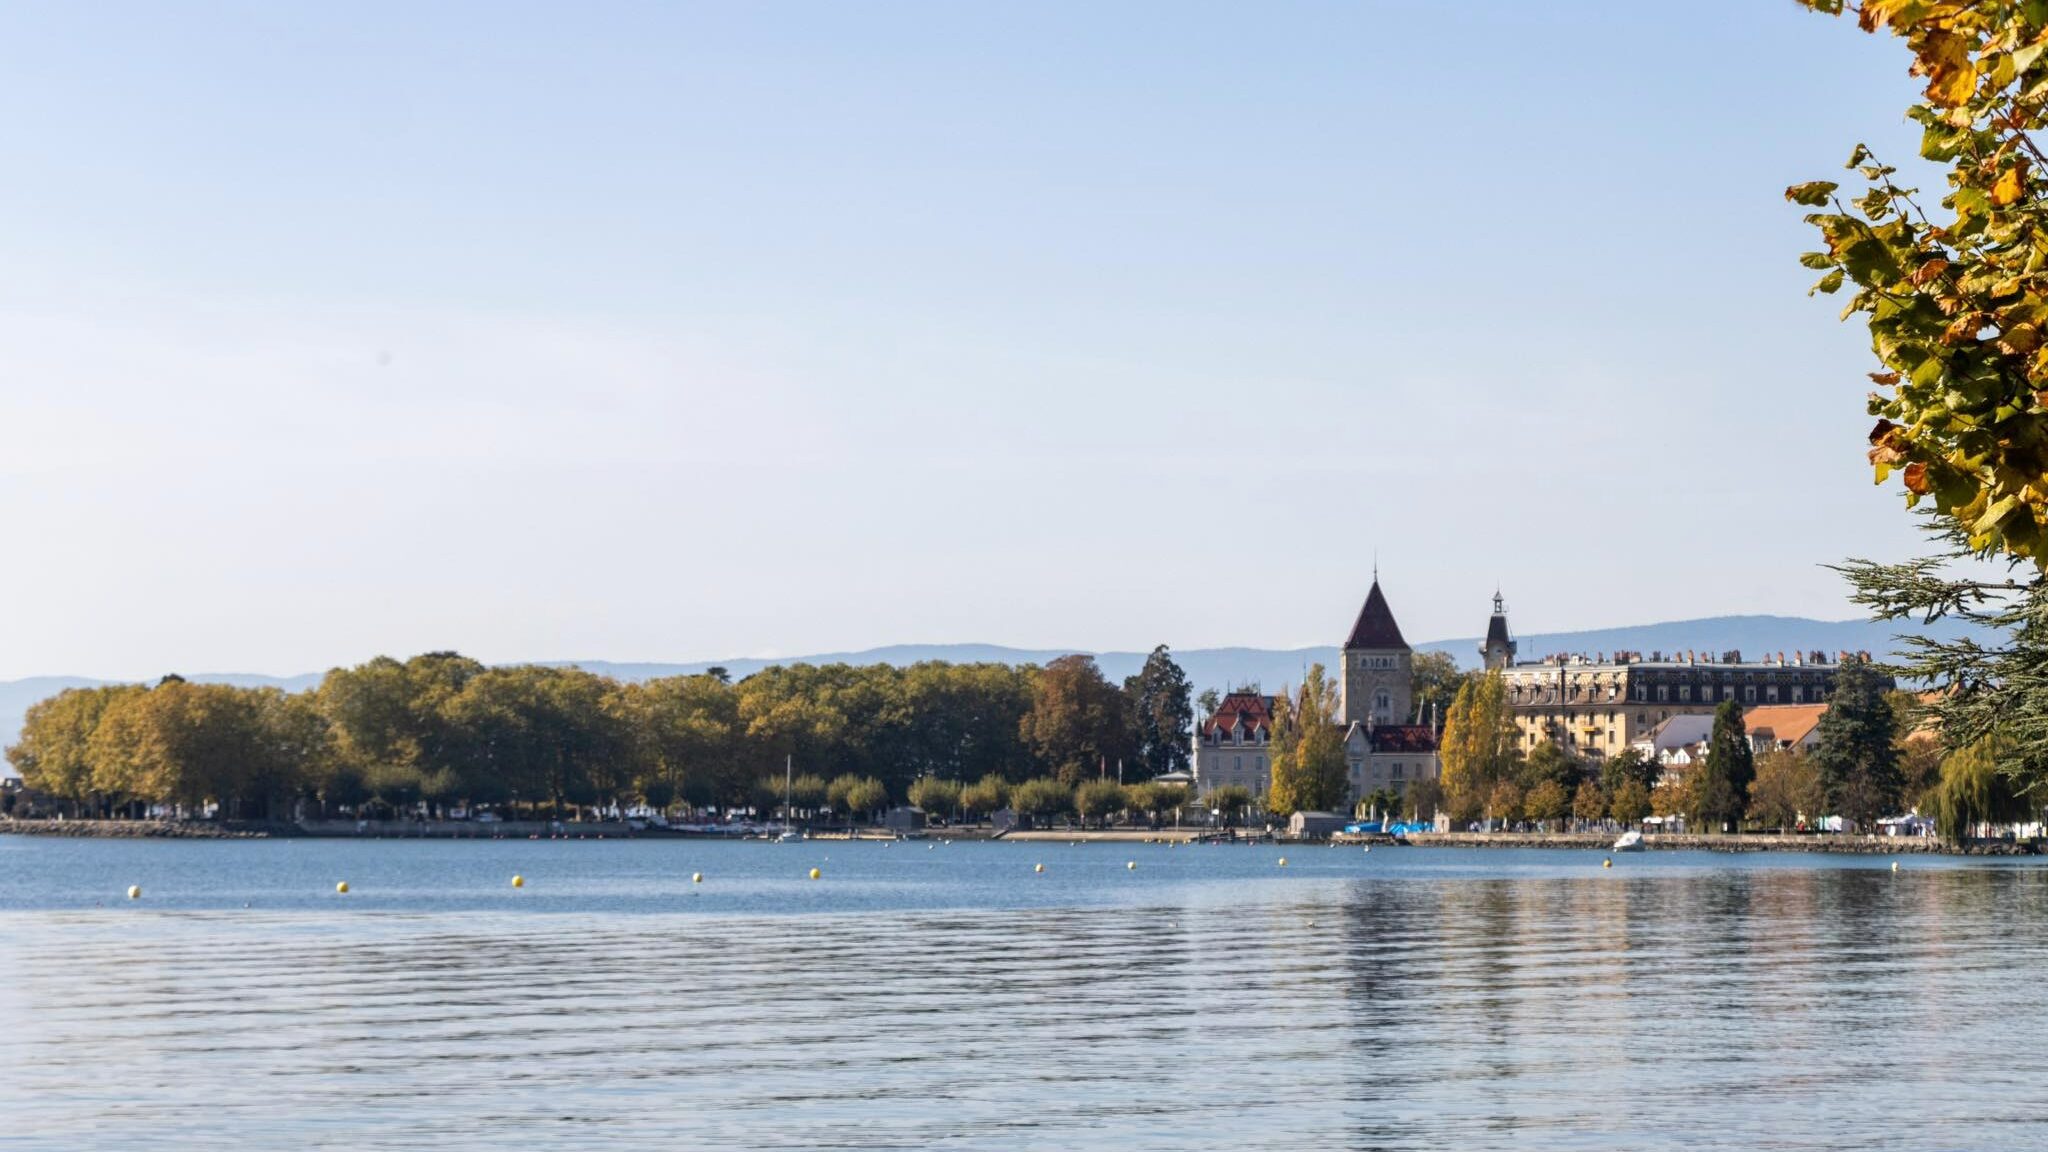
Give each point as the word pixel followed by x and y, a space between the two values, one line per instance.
pixel 1734 842
pixel 142 829
pixel 330 829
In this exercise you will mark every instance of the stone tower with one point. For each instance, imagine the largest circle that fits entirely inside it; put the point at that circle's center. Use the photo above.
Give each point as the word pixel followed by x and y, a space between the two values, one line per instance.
pixel 1499 648
pixel 1377 665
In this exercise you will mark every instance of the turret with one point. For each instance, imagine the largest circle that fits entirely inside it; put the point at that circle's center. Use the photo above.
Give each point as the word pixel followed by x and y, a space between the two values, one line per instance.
pixel 1498 649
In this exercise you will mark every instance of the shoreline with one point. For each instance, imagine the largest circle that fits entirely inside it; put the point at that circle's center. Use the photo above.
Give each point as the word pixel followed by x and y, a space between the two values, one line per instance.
pixel 1744 842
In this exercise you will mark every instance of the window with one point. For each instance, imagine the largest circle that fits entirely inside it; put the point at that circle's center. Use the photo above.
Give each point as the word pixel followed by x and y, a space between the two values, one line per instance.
pixel 1237 764
pixel 1684 693
pixel 1397 769
pixel 1798 694
pixel 1771 694
pixel 1749 693
pixel 1663 694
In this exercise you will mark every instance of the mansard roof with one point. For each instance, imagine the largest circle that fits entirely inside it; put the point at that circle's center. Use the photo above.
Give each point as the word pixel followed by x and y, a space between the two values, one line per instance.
pixel 1375 627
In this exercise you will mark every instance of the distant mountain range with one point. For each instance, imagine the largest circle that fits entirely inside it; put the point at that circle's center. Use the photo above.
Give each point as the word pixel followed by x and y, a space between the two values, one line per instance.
pixel 1219 668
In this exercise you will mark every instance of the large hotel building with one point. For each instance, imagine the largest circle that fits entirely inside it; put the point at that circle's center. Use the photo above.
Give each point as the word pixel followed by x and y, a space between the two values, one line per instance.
pixel 1594 707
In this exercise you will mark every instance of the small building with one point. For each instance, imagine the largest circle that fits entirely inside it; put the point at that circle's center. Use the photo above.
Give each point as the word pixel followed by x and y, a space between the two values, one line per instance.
pixel 1007 819
pixel 1775 726
pixel 1676 740
pixel 1315 825
pixel 905 818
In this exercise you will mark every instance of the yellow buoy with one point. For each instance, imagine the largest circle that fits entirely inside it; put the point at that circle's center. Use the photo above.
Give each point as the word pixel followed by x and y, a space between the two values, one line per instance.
pixel 342 887
pixel 1131 865
pixel 135 891
pixel 815 873
pixel 1607 862
pixel 696 877
pixel 1038 867
pixel 1283 861
pixel 519 881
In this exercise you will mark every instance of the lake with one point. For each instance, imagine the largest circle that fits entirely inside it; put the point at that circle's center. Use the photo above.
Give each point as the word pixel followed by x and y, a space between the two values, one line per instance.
pixel 950 996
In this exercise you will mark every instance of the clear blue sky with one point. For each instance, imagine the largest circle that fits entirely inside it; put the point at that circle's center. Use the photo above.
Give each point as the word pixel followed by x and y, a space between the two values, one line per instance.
pixel 673 331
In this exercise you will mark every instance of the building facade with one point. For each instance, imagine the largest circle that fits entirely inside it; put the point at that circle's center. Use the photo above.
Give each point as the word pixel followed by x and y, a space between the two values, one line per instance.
pixel 1231 745
pixel 1593 707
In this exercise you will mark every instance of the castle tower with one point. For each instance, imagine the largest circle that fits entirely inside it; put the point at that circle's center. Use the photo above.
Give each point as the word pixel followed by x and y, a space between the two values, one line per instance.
pixel 1377 665
pixel 1498 650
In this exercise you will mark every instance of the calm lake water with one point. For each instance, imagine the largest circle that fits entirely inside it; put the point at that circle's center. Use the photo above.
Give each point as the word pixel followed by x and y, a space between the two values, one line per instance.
pixel 950 996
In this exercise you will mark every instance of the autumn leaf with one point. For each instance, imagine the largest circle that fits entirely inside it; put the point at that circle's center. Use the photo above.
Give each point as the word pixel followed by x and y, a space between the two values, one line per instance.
pixel 1929 271
pixel 1945 61
pixel 1915 477
pixel 1813 193
pixel 2008 188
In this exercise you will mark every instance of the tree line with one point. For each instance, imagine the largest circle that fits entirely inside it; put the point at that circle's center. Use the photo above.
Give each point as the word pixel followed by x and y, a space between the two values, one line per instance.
pixel 441 731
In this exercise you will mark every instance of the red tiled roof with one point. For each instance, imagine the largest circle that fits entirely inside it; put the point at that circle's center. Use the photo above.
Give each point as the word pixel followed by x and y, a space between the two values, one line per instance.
pixel 1253 709
pixel 1404 738
pixel 1375 627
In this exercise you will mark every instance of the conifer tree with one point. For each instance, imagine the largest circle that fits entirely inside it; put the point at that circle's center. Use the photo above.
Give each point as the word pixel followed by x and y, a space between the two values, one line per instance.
pixel 1857 756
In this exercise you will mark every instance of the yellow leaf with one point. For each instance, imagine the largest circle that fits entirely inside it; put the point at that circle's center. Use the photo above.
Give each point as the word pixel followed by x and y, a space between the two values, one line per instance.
pixel 1945 60
pixel 2007 189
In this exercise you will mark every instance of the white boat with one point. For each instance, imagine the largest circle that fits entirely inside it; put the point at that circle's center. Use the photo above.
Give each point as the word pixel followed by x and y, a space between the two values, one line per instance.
pixel 1631 841
pixel 789 835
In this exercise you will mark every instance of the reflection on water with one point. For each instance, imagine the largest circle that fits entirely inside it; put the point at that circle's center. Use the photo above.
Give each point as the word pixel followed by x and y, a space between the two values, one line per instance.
pixel 1427 1005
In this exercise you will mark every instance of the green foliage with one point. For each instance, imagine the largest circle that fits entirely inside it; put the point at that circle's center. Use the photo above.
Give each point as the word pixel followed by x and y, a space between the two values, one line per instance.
pixel 1421 799
pixel 1787 788
pixel 1042 798
pixel 1626 765
pixel 1162 714
pixel 1162 800
pixel 936 795
pixel 1972 791
pixel 808 791
pixel 1547 801
pixel 1956 300
pixel 1098 799
pixel 1857 756
pixel 856 796
pixel 1433 681
pixel 1720 793
pixel 986 795
pixel 1310 773
pixel 1232 800
pixel 1549 764
pixel 1631 801
pixel 1384 802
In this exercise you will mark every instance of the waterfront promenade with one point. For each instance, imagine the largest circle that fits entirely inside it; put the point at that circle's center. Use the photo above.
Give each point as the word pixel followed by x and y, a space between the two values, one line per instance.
pixel 1838 843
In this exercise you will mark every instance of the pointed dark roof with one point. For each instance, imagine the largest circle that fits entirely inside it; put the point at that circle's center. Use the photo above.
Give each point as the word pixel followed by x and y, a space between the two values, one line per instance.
pixel 1497 631
pixel 1375 627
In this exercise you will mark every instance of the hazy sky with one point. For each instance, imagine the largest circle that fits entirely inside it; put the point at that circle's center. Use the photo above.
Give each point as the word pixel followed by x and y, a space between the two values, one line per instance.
pixel 672 331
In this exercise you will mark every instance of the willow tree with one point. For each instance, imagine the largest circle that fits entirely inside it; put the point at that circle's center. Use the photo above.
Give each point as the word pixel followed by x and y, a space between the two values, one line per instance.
pixel 1953 288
